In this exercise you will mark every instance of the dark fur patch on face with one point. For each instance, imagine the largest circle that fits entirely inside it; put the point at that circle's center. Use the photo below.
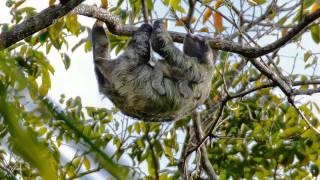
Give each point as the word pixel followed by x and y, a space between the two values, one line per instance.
pixel 195 46
pixel 100 78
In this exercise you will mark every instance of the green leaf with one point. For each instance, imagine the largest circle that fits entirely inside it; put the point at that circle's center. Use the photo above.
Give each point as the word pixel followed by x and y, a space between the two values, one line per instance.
pixel 290 132
pixel 72 24
pixel 168 152
pixel 140 143
pixel 137 127
pixel 308 3
pixel 66 60
pixel 153 163
pixel 206 1
pixel 22 141
pixel 10 3
pixel 164 176
pixel 45 83
pixel 307 55
pixel 43 36
pixel 76 162
pixel 56 29
pixel 158 148
pixel 175 4
pixel 42 131
pixel 256 2
pixel 150 5
pixel 71 171
pixel 136 8
pixel 314 169
pixel 315 33
pixel 86 163
pixel 87 46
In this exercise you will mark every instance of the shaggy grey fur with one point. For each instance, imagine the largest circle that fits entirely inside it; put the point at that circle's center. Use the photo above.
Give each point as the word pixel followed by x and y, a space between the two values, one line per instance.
pixel 167 91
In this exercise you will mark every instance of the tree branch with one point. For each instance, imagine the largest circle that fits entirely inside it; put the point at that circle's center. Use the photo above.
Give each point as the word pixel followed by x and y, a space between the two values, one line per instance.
pixel 208 130
pixel 183 163
pixel 35 23
pixel 145 11
pixel 208 123
pixel 250 52
pixel 204 154
pixel 273 84
pixel 306 92
pixel 155 160
pixel 85 173
pixel 192 4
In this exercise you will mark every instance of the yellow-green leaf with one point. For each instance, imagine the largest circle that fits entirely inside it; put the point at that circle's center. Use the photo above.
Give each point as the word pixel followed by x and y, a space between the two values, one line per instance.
pixel 290 132
pixel 315 33
pixel 104 4
pixel 18 3
pixel 182 21
pixel 204 29
pixel 42 131
pixel 86 163
pixel 45 83
pixel 56 28
pixel 51 2
pixel 256 2
pixel 72 24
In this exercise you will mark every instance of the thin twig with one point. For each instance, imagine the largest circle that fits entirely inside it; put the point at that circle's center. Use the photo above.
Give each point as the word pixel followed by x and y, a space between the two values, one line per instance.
pixel 145 11
pixel 203 150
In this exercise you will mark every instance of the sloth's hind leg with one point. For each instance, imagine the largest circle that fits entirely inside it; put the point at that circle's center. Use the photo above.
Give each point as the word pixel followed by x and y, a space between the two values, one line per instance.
pixel 157 81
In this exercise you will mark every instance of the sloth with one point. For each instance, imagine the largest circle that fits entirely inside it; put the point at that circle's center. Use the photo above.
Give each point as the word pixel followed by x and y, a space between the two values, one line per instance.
pixel 167 91
pixel 195 48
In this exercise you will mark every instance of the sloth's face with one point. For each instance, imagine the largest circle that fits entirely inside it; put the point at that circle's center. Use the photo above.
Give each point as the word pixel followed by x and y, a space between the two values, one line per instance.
pixel 195 46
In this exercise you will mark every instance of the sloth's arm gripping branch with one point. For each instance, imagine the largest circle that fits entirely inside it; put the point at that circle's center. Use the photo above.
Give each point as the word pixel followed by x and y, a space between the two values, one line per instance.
pixel 36 23
pixel 249 52
pixel 162 43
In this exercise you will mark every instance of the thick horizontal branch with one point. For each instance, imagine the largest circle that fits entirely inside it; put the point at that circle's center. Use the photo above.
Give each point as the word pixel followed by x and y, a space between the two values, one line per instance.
pixel 50 14
pixel 112 21
pixel 35 23
pixel 116 28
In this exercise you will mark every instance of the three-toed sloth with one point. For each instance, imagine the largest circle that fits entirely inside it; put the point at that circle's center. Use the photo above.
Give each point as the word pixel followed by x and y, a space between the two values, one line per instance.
pixel 166 91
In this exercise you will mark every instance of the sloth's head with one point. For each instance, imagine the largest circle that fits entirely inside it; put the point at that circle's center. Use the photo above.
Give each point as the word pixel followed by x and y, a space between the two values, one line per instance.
pixel 196 46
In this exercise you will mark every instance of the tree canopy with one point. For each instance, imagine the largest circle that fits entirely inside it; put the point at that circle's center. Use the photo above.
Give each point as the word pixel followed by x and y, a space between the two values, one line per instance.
pixel 261 119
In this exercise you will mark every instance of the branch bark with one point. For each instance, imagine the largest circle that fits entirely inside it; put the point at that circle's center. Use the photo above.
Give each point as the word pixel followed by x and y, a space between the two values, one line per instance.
pixel 249 52
pixel 204 154
pixel 145 11
pixel 50 14
pixel 192 4
pixel 273 84
pixel 35 23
